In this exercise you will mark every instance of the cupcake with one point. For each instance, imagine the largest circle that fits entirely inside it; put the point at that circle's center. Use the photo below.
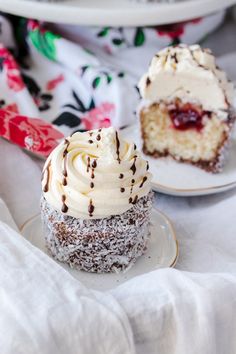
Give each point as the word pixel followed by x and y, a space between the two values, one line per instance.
pixel 187 107
pixel 96 202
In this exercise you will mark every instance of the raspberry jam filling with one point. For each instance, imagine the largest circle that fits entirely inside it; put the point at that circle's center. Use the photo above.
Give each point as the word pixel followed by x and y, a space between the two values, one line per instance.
pixel 187 117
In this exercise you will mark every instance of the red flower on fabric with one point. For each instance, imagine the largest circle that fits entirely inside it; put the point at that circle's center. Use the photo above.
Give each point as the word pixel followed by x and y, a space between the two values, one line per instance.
pixel 31 133
pixel 11 69
pixel 52 84
pixel 99 117
pixel 175 30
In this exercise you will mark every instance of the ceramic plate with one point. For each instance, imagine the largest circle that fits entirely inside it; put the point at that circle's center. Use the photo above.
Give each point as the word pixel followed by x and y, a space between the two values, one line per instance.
pixel 113 12
pixel 162 252
pixel 174 178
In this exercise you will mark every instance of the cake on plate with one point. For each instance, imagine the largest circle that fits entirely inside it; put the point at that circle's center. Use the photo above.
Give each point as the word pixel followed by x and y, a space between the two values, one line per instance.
pixel 96 202
pixel 187 107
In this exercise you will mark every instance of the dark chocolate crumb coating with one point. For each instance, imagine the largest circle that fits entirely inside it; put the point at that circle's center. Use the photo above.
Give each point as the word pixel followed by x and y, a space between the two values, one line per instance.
pixel 110 244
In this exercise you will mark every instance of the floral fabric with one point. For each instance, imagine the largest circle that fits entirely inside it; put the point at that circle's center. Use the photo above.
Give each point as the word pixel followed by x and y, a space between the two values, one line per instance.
pixel 82 78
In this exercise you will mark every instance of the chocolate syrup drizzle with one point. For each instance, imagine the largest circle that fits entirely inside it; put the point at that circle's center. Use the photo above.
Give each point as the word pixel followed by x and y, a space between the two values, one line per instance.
pixel 143 181
pixel 117 147
pixel 121 176
pixel 132 185
pixel 91 208
pixel 98 137
pixel 64 207
pixel 133 167
pixel 122 190
pixel 64 172
pixel 88 164
pixel 148 81
pixel 46 186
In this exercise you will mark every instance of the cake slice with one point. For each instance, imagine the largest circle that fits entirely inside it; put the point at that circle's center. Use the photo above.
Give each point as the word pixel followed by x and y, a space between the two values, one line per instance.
pixel 187 107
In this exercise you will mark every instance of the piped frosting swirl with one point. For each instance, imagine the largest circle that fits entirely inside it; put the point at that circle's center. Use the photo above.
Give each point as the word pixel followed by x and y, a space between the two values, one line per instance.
pixel 189 73
pixel 95 174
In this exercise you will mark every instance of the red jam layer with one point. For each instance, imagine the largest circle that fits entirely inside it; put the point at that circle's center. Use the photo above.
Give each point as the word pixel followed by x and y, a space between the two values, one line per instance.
pixel 187 117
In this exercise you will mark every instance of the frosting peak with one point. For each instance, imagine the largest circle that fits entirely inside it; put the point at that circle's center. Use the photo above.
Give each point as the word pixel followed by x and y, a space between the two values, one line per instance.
pixel 189 73
pixel 95 174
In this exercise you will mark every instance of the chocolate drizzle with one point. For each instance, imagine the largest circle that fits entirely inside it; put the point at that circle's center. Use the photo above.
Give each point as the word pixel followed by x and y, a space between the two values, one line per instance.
pixel 143 181
pixel 67 143
pixel 91 185
pixel 64 207
pixel 117 147
pixel 131 201
pixel 132 185
pixel 133 167
pixel 174 56
pixel 147 168
pixel 64 181
pixel 46 170
pixel 122 190
pixel 64 172
pixel 121 176
pixel 98 137
pixel 88 164
pixel 94 164
pixel 148 81
pixel 91 208
pixel 90 141
pixel 135 146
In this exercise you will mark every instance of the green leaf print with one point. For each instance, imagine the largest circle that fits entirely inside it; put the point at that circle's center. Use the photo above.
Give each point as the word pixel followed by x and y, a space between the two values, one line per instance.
pixel 96 82
pixel 44 42
pixel 103 32
pixel 109 78
pixel 139 38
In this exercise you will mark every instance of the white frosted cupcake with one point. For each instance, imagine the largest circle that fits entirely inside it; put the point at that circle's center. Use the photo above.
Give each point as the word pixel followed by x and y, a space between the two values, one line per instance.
pixel 187 109
pixel 96 202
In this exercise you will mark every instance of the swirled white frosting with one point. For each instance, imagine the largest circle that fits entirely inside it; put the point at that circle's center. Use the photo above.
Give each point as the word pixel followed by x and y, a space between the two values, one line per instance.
pixel 95 174
pixel 189 73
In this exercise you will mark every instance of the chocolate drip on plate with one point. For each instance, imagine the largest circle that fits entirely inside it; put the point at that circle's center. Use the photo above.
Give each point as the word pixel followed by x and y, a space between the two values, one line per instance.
pixel 147 168
pixel 121 176
pixel 117 147
pixel 133 167
pixel 122 190
pixel 90 141
pixel 91 185
pixel 143 181
pixel 91 208
pixel 135 200
pixel 98 137
pixel 64 208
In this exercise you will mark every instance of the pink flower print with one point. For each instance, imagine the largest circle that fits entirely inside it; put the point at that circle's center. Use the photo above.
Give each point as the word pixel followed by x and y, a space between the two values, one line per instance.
pixel 99 117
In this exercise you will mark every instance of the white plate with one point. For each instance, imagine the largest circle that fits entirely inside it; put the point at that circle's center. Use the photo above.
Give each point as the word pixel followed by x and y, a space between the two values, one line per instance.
pixel 113 12
pixel 162 252
pixel 174 178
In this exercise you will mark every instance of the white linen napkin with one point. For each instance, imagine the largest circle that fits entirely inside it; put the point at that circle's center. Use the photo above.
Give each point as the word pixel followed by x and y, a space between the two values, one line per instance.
pixel 44 310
